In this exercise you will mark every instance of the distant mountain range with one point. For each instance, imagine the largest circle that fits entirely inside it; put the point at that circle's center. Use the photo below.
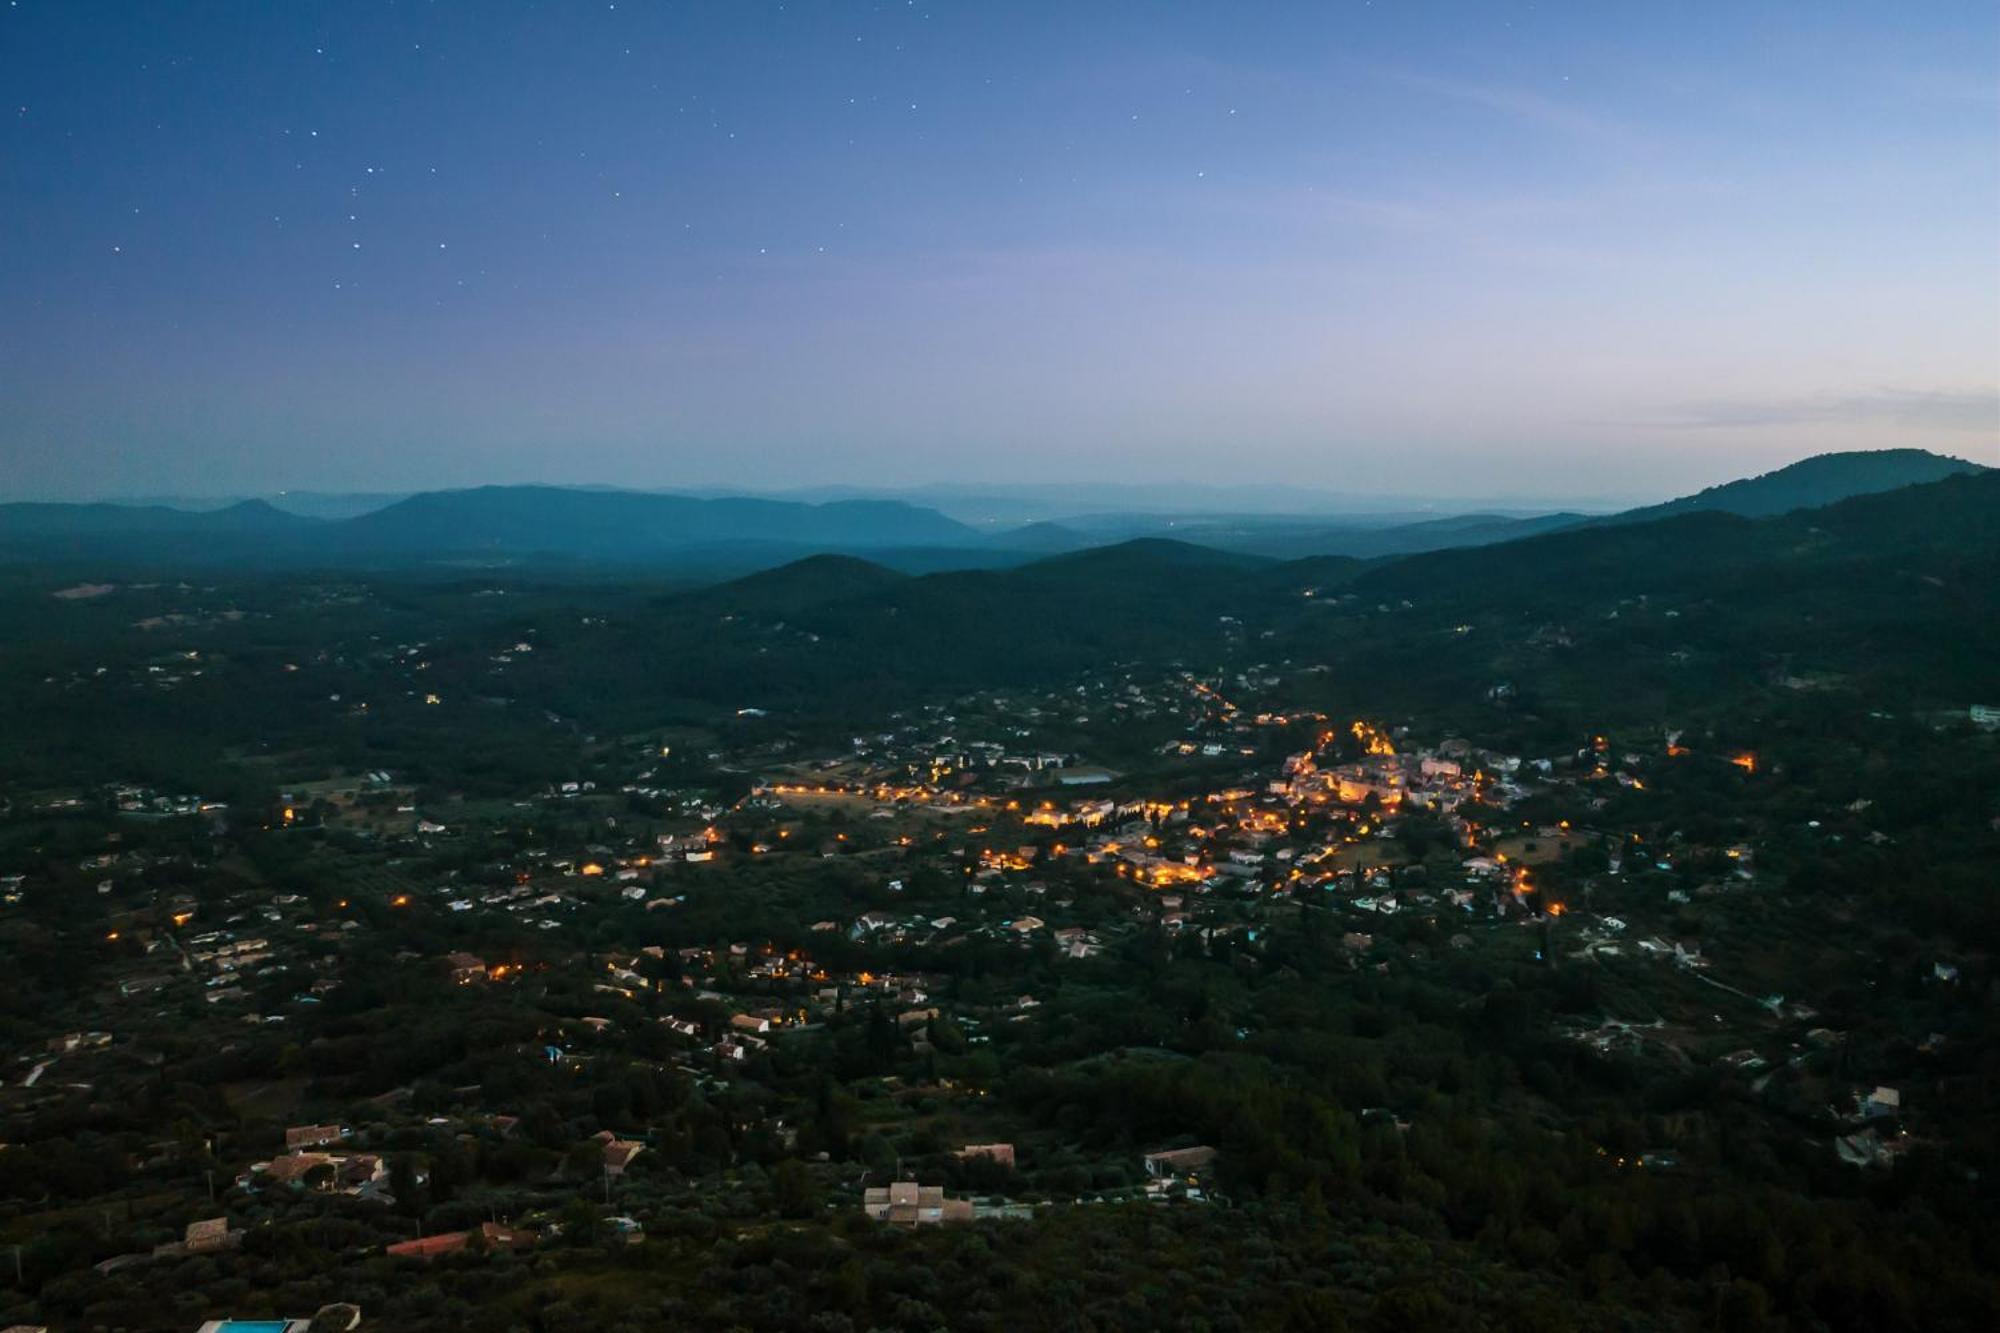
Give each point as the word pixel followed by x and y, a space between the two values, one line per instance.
pixel 511 524
pixel 721 536
pixel 1897 584
pixel 530 520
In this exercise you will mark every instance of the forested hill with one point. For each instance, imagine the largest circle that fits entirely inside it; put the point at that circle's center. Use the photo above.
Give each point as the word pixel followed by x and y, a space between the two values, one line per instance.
pixel 1903 582
pixel 1955 519
pixel 1823 479
pixel 50 532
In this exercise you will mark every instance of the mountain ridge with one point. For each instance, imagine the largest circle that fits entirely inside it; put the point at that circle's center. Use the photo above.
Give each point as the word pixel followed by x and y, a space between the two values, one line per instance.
pixel 723 536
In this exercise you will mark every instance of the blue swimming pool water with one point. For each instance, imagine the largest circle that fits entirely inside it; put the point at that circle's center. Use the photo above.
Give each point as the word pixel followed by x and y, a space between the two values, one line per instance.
pixel 255 1325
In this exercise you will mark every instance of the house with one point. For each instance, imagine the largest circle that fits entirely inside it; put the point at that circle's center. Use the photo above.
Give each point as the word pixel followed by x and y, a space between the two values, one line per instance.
pixel 1866 1148
pixel 313 1136
pixel 618 1153
pixel 1882 1103
pixel 1003 1153
pixel 295 1167
pixel 209 1235
pixel 74 1041
pixel 909 1204
pixel 1179 1161
pixel 869 922
pixel 491 1236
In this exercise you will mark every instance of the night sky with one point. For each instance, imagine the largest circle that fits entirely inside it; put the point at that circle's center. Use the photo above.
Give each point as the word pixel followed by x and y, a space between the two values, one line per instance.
pixel 1554 249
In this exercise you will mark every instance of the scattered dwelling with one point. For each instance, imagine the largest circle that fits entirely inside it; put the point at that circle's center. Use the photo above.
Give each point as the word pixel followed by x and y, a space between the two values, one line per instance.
pixel 207 1236
pixel 210 1235
pixel 910 1018
pixel 296 1167
pixel 300 1137
pixel 490 1235
pixel 909 1204
pixel 78 1041
pixel 626 1230
pixel 1175 1162
pixel 618 1153
pixel 1882 1104
pixel 466 968
pixel 1003 1153
pixel 1866 1149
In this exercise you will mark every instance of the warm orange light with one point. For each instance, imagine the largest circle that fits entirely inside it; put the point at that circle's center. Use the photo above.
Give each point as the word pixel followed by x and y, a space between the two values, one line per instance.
pixel 1746 761
pixel 400 900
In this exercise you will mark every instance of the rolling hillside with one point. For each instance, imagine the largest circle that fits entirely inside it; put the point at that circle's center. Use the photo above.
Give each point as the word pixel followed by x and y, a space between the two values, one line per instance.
pixel 1823 479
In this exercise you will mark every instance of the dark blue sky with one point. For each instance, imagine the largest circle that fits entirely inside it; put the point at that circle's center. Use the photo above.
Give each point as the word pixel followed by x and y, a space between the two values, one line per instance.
pixel 1560 249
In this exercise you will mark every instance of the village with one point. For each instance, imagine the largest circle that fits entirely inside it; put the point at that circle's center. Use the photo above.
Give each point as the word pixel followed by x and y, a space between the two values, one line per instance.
pixel 951 878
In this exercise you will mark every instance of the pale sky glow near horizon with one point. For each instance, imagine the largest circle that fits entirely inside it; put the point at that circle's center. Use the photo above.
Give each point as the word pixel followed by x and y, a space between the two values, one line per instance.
pixel 1559 249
